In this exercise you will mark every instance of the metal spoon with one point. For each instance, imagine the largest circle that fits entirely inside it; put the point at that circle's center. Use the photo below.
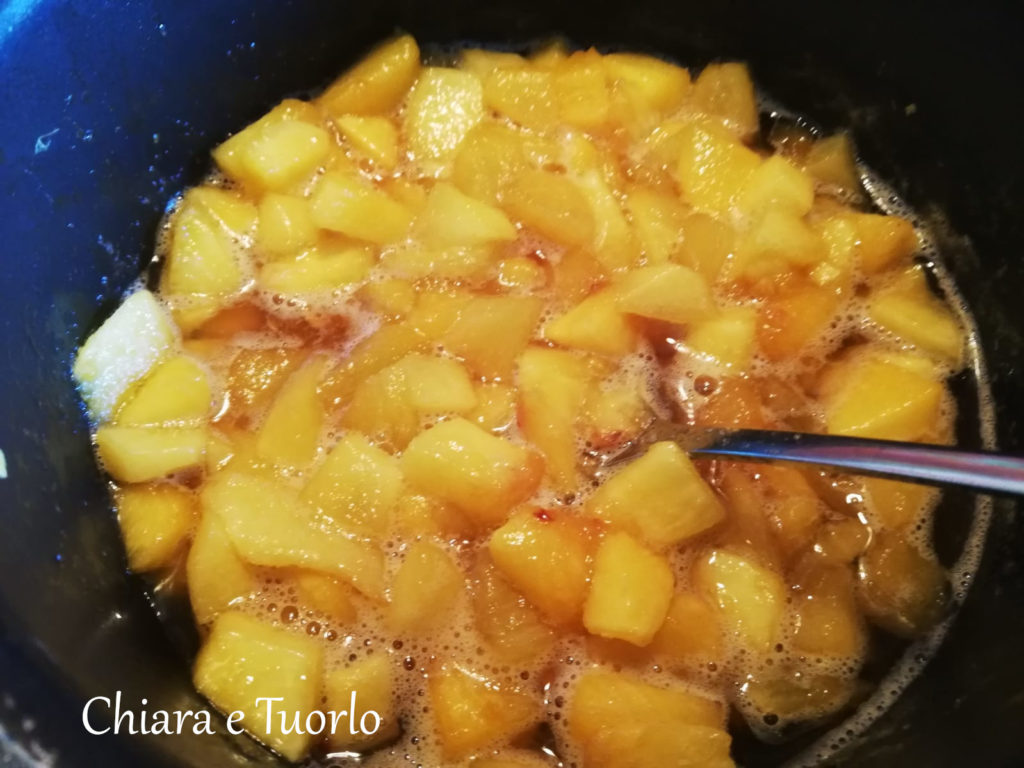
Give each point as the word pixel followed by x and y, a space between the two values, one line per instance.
pixel 929 464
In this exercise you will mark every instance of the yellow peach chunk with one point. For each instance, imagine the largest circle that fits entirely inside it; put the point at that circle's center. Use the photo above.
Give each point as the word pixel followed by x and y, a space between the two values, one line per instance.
pixel 483 475
pixel 378 83
pixel 750 598
pixel 290 433
pixel 357 484
pixel 442 108
pixel 370 684
pixel 347 204
pixel 246 659
pixel 596 324
pixel 630 591
pixel 176 391
pixel 472 712
pixel 546 558
pixel 622 722
pixel 659 497
pixel 669 292
pixel 285 226
pixel 155 523
pixel 139 454
pixel 375 137
pixel 452 218
pixel 425 588
pixel 270 525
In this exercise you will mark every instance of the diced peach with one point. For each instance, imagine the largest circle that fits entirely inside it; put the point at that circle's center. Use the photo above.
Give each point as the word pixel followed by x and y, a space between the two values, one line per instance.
pixel 245 659
pixel 381 409
pixel 750 598
pixel 524 96
pixel 137 336
pixel 794 318
pixel 452 218
pixel 489 158
pixel 746 531
pixel 552 205
pixel 217 577
pixel 596 324
pixel 472 712
pixel 290 432
pixel 546 558
pixel 319 269
pixel 690 634
pixel 728 337
pixel 895 504
pixel 202 258
pixel 388 345
pixel 725 91
pixel 843 540
pixel 708 243
pixel 482 61
pixel 378 83
pixel 228 207
pixel 736 402
pixel 155 523
pixel 669 292
pixel 899 588
pixel 621 722
pixel 483 475
pixel 795 510
pixel 659 497
pixel 882 240
pixel 347 204
pixel 274 153
pixel 324 593
pixel 442 108
pixel 374 137
pixel 286 225
pixel 177 391
pixel 372 681
pixel 827 621
pixel 891 399
pixel 357 484
pixel 659 85
pixel 779 242
pixel 658 220
pixel 552 385
pixel 424 589
pixel 832 161
pixel 393 403
pixel 416 261
pixel 909 310
pixel 270 525
pixel 255 376
pixel 713 166
pixel 581 90
pixel 630 591
pixel 140 454
pixel 778 185
pixel 615 413
pixel 391 297
pixel 797 694
pixel 505 618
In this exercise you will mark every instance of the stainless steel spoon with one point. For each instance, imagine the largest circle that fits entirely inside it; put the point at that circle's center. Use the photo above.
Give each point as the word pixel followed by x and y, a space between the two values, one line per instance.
pixel 929 464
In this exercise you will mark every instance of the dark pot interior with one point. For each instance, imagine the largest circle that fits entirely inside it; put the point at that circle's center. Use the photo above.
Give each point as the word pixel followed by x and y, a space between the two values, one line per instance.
pixel 107 109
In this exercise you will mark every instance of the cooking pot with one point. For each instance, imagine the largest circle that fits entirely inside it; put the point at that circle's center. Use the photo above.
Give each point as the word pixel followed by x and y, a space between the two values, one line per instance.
pixel 108 108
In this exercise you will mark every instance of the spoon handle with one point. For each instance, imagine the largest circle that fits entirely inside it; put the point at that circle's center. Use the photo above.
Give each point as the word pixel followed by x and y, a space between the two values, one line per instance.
pixel 930 464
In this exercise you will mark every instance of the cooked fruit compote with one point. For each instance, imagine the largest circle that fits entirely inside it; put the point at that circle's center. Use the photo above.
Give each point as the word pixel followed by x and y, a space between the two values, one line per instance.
pixel 360 416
